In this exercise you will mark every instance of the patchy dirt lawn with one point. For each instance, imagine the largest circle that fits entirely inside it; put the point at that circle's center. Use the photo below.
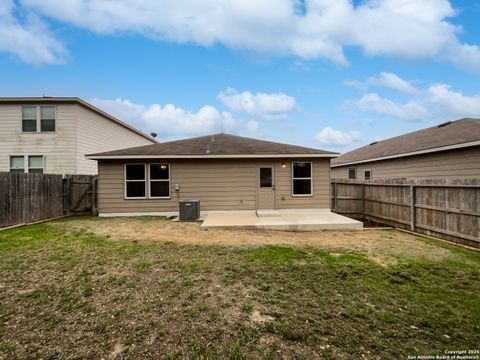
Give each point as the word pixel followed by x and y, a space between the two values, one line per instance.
pixel 382 246
pixel 151 288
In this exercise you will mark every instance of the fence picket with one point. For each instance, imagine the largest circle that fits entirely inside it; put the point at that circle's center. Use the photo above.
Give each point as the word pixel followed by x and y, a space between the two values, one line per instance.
pixel 26 198
pixel 446 209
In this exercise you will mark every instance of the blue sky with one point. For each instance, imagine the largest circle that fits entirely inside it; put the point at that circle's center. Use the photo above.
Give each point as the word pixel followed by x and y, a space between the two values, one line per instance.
pixel 328 74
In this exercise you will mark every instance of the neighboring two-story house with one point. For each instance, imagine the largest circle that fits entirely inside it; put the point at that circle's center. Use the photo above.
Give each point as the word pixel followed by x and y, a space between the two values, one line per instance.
pixel 53 134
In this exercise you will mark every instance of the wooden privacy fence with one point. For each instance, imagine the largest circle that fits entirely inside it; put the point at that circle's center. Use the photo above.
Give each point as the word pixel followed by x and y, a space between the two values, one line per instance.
pixel 446 209
pixel 26 198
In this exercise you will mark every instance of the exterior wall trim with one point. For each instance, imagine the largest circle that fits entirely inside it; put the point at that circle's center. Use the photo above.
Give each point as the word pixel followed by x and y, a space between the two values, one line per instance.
pixel 420 152
pixel 202 213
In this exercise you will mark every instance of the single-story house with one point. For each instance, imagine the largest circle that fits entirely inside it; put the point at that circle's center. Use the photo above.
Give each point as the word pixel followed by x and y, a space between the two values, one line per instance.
pixel 224 172
pixel 450 150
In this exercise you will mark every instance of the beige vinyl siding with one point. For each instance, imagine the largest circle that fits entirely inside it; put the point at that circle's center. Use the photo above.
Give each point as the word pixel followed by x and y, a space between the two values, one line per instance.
pixel 58 148
pixel 321 188
pixel 218 184
pixel 452 164
pixel 98 134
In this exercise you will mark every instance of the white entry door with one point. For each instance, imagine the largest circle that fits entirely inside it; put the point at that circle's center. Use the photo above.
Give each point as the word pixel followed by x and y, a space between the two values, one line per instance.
pixel 266 187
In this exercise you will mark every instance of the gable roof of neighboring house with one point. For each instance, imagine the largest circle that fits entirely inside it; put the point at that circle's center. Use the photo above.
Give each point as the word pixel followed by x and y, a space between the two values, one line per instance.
pixel 214 146
pixel 446 136
pixel 71 100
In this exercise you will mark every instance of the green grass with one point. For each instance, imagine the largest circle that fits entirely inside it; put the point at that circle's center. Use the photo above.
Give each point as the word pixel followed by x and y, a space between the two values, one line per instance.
pixel 66 293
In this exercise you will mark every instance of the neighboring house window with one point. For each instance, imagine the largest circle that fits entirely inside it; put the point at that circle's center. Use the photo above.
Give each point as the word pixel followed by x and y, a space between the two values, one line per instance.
pixel 368 174
pixel 34 162
pixel 159 181
pixel 29 119
pixel 38 118
pixel 135 180
pixel 47 118
pixel 352 172
pixel 301 178
pixel 17 164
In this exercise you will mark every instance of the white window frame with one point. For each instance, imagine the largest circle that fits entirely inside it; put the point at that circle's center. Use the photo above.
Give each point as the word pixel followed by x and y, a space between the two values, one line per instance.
pixel 125 181
pixel 27 158
pixel 10 163
pixel 26 167
pixel 348 172
pixel 364 174
pixel 39 124
pixel 38 120
pixel 303 178
pixel 158 180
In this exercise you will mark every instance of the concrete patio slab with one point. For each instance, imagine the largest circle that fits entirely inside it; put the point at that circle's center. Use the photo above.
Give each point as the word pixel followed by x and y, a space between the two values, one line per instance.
pixel 289 220
pixel 232 219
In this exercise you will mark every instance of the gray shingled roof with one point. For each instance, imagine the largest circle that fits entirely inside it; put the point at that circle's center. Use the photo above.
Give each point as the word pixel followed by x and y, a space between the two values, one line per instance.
pixel 446 134
pixel 211 145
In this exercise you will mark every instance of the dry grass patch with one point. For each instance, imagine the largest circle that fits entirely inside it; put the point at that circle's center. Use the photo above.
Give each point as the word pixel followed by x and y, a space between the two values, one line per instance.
pixel 382 246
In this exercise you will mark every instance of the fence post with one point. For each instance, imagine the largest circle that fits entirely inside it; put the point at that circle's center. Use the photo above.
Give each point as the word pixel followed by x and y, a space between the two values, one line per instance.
pixel 363 200
pixel 412 207
pixel 66 195
pixel 94 195
pixel 447 207
pixel 335 196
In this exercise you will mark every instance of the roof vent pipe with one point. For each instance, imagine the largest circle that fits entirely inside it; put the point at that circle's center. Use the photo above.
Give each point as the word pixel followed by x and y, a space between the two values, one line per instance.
pixel 444 124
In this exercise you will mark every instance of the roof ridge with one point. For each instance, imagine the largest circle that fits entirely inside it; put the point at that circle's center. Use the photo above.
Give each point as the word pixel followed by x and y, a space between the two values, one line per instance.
pixel 237 137
pixel 410 133
pixel 224 145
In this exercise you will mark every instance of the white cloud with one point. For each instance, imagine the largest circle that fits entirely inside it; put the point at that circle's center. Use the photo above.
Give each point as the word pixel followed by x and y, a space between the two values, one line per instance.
pixel 410 110
pixel 452 103
pixel 465 56
pixel 28 39
pixel 401 28
pixel 392 81
pixel 437 101
pixel 252 126
pixel 336 138
pixel 266 106
pixel 169 120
